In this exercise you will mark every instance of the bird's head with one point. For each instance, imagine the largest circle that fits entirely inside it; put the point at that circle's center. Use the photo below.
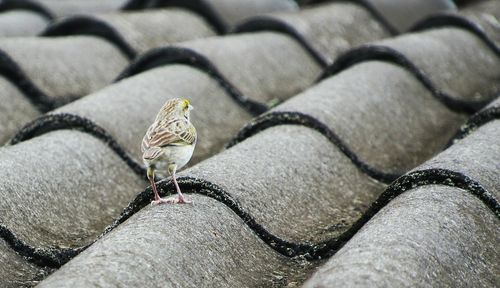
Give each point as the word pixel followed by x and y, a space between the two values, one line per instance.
pixel 177 106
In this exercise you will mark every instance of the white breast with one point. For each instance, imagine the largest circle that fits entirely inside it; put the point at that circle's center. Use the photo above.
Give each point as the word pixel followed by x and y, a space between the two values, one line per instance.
pixel 178 155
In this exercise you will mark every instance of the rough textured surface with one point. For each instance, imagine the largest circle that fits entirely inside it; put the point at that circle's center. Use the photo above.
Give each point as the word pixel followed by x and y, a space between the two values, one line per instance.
pixel 291 176
pixel 264 191
pixel 16 271
pixel 71 7
pixel 403 14
pixel 290 188
pixel 232 14
pixel 147 29
pixel 330 28
pixel 430 236
pixel 264 73
pixel 394 123
pixel 458 233
pixel 212 247
pixel 15 111
pixel 68 202
pixel 21 23
pixel 477 156
pixel 60 68
pixel 143 94
pixel 486 14
pixel 471 70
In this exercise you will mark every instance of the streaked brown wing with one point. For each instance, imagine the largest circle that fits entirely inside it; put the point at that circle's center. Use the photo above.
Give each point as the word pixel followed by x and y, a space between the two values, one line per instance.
pixel 172 132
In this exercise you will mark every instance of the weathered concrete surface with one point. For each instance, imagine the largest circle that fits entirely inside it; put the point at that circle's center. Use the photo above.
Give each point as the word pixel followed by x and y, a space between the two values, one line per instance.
pixel 471 68
pixel 382 113
pixel 402 15
pixel 63 188
pixel 283 174
pixel 486 14
pixel 204 244
pixel 333 28
pixel 71 7
pixel 264 71
pixel 432 235
pixel 146 29
pixel 427 237
pixel 17 271
pixel 15 111
pixel 232 12
pixel 351 198
pixel 477 156
pixel 17 23
pixel 60 68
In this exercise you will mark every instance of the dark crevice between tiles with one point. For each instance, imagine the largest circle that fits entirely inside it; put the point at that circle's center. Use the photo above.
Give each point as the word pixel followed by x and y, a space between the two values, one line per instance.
pixel 88 25
pixel 267 23
pixel 175 55
pixel 53 122
pixel 369 7
pixel 11 71
pixel 383 53
pixel 55 257
pixel 52 257
pixel 296 118
pixel 474 122
pixel 9 5
pixel 199 7
pixel 311 251
pixel 378 16
pixel 449 20
pixel 412 180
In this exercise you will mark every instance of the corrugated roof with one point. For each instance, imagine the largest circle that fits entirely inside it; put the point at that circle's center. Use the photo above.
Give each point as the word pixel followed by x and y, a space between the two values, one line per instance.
pixel 365 158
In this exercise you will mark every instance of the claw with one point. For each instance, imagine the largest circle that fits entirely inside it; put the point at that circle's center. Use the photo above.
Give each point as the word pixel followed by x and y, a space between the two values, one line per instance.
pixel 171 200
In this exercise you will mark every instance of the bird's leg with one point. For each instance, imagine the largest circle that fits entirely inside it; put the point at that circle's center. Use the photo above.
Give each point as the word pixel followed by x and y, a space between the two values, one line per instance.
pixel 179 198
pixel 171 200
pixel 151 177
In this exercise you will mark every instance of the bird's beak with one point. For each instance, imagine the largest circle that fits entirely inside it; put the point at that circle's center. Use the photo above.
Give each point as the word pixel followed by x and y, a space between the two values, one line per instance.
pixel 190 107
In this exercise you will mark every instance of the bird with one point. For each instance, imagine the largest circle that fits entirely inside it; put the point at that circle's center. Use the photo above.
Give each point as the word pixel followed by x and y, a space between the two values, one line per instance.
pixel 169 144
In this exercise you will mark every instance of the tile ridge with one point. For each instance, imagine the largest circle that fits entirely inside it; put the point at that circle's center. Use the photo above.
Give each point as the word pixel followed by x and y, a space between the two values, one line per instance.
pixel 442 20
pixel 158 57
pixel 475 122
pixel 277 118
pixel 368 7
pixel 13 72
pixel 200 7
pixel 90 25
pixel 52 122
pixel 269 23
pixel 377 15
pixel 375 52
pixel 33 6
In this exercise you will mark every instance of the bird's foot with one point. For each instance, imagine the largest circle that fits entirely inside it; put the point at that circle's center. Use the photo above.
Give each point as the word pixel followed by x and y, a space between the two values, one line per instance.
pixel 171 200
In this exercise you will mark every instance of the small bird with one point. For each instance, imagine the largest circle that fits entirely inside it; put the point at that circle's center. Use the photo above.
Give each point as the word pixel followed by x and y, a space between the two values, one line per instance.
pixel 169 144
